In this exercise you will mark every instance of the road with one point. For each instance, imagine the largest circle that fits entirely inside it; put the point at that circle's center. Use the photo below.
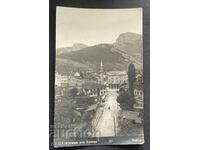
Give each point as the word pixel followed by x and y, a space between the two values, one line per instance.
pixel 106 116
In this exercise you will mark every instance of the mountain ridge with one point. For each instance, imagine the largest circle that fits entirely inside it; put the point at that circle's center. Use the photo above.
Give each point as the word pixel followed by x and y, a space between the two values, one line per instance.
pixel 126 49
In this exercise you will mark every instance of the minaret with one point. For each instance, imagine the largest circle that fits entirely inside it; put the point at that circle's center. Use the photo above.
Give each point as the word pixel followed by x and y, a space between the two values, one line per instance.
pixel 101 72
pixel 101 67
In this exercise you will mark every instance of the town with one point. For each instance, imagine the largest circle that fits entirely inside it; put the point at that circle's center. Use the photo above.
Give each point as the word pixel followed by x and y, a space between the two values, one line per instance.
pixel 98 104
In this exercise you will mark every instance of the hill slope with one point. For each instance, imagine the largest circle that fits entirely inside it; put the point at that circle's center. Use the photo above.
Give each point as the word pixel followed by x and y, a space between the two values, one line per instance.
pixel 117 56
pixel 90 58
pixel 101 52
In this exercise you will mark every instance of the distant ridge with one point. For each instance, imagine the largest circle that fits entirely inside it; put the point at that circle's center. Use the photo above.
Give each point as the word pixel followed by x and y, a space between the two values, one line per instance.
pixel 75 47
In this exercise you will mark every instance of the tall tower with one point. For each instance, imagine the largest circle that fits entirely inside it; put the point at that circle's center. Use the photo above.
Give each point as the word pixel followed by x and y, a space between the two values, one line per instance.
pixel 101 67
pixel 101 73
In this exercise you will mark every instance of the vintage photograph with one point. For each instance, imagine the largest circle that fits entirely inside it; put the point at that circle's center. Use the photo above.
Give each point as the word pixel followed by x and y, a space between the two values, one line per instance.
pixel 98 76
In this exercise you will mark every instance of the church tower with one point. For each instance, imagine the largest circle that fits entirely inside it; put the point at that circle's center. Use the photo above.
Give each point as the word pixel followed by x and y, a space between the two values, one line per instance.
pixel 101 74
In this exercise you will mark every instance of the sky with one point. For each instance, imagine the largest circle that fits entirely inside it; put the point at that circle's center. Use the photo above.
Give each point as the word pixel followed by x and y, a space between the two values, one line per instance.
pixel 94 26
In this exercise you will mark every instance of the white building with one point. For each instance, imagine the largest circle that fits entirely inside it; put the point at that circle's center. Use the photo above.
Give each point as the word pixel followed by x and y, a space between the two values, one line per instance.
pixel 60 79
pixel 116 78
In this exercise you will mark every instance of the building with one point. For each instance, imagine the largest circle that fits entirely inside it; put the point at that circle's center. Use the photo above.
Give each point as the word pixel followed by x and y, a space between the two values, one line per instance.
pixel 138 89
pixel 139 96
pixel 139 92
pixel 94 89
pixel 60 79
pixel 116 78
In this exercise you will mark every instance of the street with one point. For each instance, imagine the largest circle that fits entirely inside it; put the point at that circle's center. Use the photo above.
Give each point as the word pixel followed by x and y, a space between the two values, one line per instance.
pixel 105 121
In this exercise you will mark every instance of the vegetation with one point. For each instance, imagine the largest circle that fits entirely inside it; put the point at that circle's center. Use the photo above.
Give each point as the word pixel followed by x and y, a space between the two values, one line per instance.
pixel 131 81
pixel 126 97
pixel 126 103
pixel 73 92
pixel 64 113
pixel 130 128
pixel 94 53
pixel 116 56
pixel 89 59
pixel 131 77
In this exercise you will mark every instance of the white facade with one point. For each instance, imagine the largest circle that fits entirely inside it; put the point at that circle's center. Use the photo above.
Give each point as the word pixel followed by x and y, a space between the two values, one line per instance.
pixel 59 79
pixel 116 78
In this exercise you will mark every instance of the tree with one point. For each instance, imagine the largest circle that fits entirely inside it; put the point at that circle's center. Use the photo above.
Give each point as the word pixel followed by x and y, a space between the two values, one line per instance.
pixel 73 92
pixel 131 78
pixel 121 90
pixel 125 101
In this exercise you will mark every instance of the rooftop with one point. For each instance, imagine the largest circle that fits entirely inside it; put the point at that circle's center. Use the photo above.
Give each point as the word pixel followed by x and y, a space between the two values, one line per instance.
pixel 117 73
pixel 89 85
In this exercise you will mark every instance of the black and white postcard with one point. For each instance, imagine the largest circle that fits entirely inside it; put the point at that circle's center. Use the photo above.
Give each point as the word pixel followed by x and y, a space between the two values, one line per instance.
pixel 99 88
